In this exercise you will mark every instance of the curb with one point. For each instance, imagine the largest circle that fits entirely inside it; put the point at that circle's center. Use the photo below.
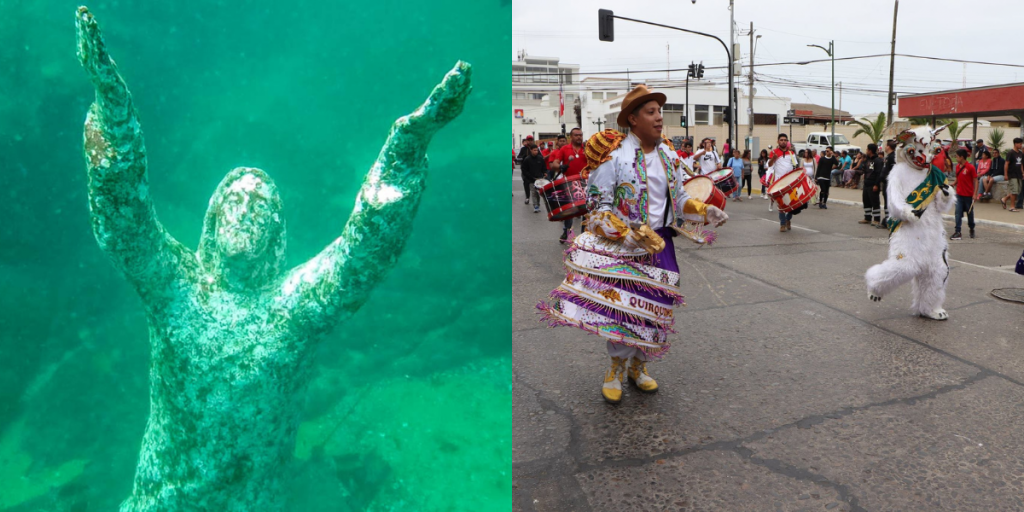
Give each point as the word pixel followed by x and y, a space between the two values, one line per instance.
pixel 993 223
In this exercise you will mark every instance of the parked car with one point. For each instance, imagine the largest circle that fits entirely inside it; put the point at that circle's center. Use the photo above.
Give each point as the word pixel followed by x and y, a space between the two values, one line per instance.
pixel 822 140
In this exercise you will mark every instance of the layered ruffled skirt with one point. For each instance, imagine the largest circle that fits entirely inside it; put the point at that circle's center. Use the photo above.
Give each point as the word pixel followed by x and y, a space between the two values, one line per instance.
pixel 625 296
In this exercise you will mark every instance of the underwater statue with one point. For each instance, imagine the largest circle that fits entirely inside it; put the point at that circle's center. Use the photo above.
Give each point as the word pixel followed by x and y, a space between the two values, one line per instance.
pixel 233 332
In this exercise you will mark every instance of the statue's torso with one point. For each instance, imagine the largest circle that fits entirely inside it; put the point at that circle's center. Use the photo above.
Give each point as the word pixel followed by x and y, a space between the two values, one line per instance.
pixel 225 382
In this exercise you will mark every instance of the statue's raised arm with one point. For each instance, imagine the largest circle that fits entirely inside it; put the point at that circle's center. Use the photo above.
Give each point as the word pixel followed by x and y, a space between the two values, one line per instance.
pixel 339 279
pixel 122 214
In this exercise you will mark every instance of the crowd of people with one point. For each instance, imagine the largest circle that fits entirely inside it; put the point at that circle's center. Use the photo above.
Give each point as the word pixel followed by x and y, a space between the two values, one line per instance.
pixel 974 169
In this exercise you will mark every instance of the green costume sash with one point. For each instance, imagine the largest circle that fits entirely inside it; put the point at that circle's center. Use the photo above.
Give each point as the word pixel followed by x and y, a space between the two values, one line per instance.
pixel 923 195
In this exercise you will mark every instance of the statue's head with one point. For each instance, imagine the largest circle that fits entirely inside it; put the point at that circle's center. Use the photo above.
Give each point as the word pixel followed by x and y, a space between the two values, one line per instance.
pixel 917 147
pixel 243 234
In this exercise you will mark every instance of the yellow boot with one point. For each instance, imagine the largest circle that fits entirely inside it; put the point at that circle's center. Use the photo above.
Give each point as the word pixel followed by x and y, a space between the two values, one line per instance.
pixel 612 389
pixel 640 378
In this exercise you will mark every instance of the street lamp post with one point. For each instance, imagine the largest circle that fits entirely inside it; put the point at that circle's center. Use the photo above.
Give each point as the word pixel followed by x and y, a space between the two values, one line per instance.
pixel 831 53
pixel 606 33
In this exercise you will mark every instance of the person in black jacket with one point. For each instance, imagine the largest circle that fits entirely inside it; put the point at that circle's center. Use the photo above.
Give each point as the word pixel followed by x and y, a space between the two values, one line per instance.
pixel 872 167
pixel 890 161
pixel 533 168
pixel 523 153
pixel 823 175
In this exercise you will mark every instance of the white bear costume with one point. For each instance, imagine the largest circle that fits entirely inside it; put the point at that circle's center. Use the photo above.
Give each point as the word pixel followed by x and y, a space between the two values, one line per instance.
pixel 917 250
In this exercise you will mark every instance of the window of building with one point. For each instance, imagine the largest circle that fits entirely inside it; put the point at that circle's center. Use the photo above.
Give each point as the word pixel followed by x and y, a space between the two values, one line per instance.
pixel 611 95
pixel 768 119
pixel 672 107
pixel 700 114
pixel 519 95
pixel 719 115
pixel 537 96
pixel 597 95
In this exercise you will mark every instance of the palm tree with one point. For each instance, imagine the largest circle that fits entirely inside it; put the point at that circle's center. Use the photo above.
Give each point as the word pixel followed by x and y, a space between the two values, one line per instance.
pixel 954 127
pixel 873 129
pixel 995 140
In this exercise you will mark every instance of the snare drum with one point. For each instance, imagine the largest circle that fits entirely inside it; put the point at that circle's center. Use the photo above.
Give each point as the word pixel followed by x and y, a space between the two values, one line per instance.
pixel 704 190
pixel 565 198
pixel 792 191
pixel 724 180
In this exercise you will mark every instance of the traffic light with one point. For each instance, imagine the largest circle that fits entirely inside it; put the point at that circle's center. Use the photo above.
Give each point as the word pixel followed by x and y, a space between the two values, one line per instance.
pixel 682 121
pixel 700 70
pixel 727 116
pixel 563 128
pixel 605 27
pixel 691 71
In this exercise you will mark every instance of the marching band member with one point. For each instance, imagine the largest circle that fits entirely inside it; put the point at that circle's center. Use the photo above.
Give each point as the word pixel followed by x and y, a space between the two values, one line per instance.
pixel 782 161
pixel 622 276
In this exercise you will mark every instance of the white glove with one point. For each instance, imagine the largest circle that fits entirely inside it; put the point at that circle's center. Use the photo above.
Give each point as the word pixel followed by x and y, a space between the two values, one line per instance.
pixel 716 216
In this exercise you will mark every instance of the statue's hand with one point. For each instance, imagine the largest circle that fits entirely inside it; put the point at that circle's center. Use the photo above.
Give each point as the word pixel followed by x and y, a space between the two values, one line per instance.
pixel 92 52
pixel 446 100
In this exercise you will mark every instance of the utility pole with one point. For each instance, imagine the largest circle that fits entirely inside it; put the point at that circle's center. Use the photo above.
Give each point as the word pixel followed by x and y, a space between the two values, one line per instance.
pixel 686 107
pixel 750 93
pixel 892 59
pixel 732 64
pixel 668 63
pixel 832 55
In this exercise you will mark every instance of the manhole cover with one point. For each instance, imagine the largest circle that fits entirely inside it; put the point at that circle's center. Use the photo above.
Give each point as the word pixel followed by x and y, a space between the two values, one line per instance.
pixel 1012 294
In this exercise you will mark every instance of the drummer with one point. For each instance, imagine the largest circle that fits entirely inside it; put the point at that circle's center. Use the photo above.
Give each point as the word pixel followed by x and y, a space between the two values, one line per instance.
pixel 782 161
pixel 569 160
pixel 636 195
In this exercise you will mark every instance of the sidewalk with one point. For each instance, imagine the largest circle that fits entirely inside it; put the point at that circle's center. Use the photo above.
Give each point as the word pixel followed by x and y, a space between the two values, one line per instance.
pixel 991 213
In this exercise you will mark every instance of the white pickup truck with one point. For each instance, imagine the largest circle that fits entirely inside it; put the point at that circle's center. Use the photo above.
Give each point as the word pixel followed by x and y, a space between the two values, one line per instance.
pixel 821 140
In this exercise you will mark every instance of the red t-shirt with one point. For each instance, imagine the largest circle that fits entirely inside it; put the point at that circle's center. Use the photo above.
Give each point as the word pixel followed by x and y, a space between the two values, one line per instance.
pixel 551 156
pixel 545 152
pixel 683 154
pixel 576 159
pixel 966 179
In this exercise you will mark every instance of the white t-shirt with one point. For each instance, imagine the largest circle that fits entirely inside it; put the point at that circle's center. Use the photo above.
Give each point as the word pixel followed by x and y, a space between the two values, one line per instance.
pixel 709 162
pixel 657 190
pixel 783 165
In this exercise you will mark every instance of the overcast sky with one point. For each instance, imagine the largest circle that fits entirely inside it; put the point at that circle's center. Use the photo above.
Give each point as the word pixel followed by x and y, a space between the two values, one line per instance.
pixel 976 30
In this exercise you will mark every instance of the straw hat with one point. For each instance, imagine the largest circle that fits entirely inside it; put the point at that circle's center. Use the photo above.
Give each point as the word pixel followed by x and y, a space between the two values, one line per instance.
pixel 638 96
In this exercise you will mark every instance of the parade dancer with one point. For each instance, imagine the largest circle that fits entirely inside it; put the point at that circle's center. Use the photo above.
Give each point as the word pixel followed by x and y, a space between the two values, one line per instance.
pixel 233 331
pixel 918 196
pixel 782 161
pixel 622 276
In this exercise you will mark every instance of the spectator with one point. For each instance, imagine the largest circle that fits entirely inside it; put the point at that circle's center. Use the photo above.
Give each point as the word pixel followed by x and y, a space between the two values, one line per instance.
pixel 747 169
pixel 727 149
pixel 824 175
pixel 559 143
pixel 993 176
pixel 979 151
pixel 852 175
pixel 807 161
pixel 523 153
pixel 533 169
pixel 984 167
pixel 1012 174
pixel 762 171
pixel 736 163
pixel 966 177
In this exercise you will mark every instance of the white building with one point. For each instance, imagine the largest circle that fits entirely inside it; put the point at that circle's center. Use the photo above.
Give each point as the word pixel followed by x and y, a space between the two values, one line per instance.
pixel 535 100
pixel 535 104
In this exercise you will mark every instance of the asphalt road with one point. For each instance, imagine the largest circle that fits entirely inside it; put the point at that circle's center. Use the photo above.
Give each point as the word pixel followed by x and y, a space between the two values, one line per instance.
pixel 786 388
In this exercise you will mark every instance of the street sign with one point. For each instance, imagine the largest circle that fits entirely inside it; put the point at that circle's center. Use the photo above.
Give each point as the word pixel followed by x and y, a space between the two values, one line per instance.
pixel 790 113
pixel 793 120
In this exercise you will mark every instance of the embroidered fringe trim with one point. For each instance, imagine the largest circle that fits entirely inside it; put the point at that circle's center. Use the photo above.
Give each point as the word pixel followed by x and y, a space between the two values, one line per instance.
pixel 554 318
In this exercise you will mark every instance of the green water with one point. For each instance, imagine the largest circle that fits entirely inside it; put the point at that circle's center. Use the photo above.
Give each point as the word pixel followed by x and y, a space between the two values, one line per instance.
pixel 409 407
